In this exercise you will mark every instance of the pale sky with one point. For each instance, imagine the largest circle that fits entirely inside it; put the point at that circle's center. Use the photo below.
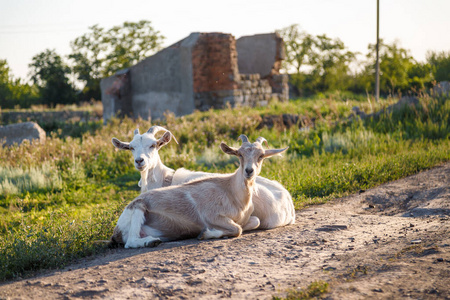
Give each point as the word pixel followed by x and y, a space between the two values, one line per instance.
pixel 28 27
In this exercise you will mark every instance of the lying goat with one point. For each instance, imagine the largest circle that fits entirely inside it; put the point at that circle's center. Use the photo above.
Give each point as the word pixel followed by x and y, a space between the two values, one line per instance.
pixel 212 207
pixel 273 203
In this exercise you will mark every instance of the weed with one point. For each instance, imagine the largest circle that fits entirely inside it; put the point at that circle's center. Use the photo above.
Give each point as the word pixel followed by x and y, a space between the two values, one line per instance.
pixel 359 270
pixel 314 290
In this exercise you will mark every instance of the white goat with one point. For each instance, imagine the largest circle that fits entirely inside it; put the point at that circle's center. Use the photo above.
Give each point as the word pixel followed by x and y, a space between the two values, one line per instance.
pixel 212 207
pixel 145 147
pixel 273 203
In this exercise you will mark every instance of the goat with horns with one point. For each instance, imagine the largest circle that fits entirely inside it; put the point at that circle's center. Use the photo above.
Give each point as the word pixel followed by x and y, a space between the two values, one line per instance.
pixel 211 207
pixel 273 203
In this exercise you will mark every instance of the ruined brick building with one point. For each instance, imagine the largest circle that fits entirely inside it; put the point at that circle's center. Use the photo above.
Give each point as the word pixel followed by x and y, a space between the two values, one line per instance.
pixel 201 71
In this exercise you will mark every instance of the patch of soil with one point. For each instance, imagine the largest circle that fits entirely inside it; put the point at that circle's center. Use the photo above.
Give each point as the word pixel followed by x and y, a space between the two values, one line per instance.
pixel 389 242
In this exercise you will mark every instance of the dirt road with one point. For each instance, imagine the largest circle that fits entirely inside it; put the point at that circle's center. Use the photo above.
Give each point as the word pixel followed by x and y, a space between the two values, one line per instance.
pixel 388 242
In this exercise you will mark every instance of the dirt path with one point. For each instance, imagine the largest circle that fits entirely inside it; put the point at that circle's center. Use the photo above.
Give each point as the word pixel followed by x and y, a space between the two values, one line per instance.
pixel 389 242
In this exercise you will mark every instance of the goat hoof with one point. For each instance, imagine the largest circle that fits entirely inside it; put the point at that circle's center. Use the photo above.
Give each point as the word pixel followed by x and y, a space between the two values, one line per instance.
pixel 152 244
pixel 201 236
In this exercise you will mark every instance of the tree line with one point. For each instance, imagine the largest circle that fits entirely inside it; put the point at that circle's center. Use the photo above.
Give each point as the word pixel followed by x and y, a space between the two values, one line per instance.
pixel 97 54
pixel 320 63
pixel 315 64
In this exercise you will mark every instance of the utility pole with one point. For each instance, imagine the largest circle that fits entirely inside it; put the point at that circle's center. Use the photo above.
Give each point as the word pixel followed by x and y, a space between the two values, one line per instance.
pixel 377 65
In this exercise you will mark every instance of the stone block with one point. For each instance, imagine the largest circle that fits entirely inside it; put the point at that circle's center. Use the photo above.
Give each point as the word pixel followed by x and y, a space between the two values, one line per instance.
pixel 442 88
pixel 280 78
pixel 246 84
pixel 17 133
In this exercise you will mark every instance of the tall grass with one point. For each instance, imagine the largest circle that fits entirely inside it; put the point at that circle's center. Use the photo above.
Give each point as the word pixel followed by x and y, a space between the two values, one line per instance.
pixel 18 180
pixel 85 182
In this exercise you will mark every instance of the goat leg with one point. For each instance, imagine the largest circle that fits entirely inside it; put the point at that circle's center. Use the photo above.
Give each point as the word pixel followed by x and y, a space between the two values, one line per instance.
pixel 226 228
pixel 253 223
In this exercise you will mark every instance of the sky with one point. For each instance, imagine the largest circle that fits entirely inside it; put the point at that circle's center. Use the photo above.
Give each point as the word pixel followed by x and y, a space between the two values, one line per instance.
pixel 28 27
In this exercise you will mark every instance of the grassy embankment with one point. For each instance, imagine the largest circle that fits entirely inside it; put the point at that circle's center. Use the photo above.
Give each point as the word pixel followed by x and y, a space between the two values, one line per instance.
pixel 58 199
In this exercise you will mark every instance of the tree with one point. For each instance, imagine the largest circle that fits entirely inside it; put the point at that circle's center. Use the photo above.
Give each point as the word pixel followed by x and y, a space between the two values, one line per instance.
pixel 330 64
pixel 394 65
pixel 50 74
pixel 321 63
pixel 130 44
pixel 101 53
pixel 298 47
pixel 13 92
pixel 5 92
pixel 419 76
pixel 88 61
pixel 440 65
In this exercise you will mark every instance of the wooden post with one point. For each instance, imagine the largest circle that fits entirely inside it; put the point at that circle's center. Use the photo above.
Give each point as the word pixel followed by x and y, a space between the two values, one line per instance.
pixel 377 65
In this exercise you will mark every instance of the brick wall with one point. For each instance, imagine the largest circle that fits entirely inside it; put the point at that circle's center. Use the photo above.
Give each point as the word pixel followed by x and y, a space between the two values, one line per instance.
pixel 216 77
pixel 214 63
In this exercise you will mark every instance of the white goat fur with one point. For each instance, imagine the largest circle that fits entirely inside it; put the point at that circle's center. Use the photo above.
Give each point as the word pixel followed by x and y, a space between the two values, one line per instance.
pixel 211 207
pixel 145 149
pixel 273 203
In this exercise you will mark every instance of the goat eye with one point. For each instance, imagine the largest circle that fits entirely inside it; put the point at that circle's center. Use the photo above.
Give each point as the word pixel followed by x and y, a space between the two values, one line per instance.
pixel 131 148
pixel 261 158
pixel 152 146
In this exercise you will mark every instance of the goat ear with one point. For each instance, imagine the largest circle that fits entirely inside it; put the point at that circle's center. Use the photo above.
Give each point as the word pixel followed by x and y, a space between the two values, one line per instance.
pixel 272 152
pixel 120 145
pixel 165 139
pixel 228 150
pixel 136 131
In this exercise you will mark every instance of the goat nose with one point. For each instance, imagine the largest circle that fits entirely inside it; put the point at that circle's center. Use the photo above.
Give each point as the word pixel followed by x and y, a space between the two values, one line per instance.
pixel 139 160
pixel 249 170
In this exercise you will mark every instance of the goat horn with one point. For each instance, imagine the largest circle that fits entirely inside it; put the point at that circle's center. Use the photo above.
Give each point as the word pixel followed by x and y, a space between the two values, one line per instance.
pixel 136 131
pixel 243 138
pixel 155 129
pixel 271 152
pixel 261 140
pixel 174 137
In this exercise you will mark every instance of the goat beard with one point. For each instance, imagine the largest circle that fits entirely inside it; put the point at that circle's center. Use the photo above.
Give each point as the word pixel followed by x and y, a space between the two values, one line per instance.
pixel 153 177
pixel 143 181
pixel 144 177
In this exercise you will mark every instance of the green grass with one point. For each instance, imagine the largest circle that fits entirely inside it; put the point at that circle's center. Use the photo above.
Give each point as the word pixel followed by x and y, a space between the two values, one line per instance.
pixel 59 198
